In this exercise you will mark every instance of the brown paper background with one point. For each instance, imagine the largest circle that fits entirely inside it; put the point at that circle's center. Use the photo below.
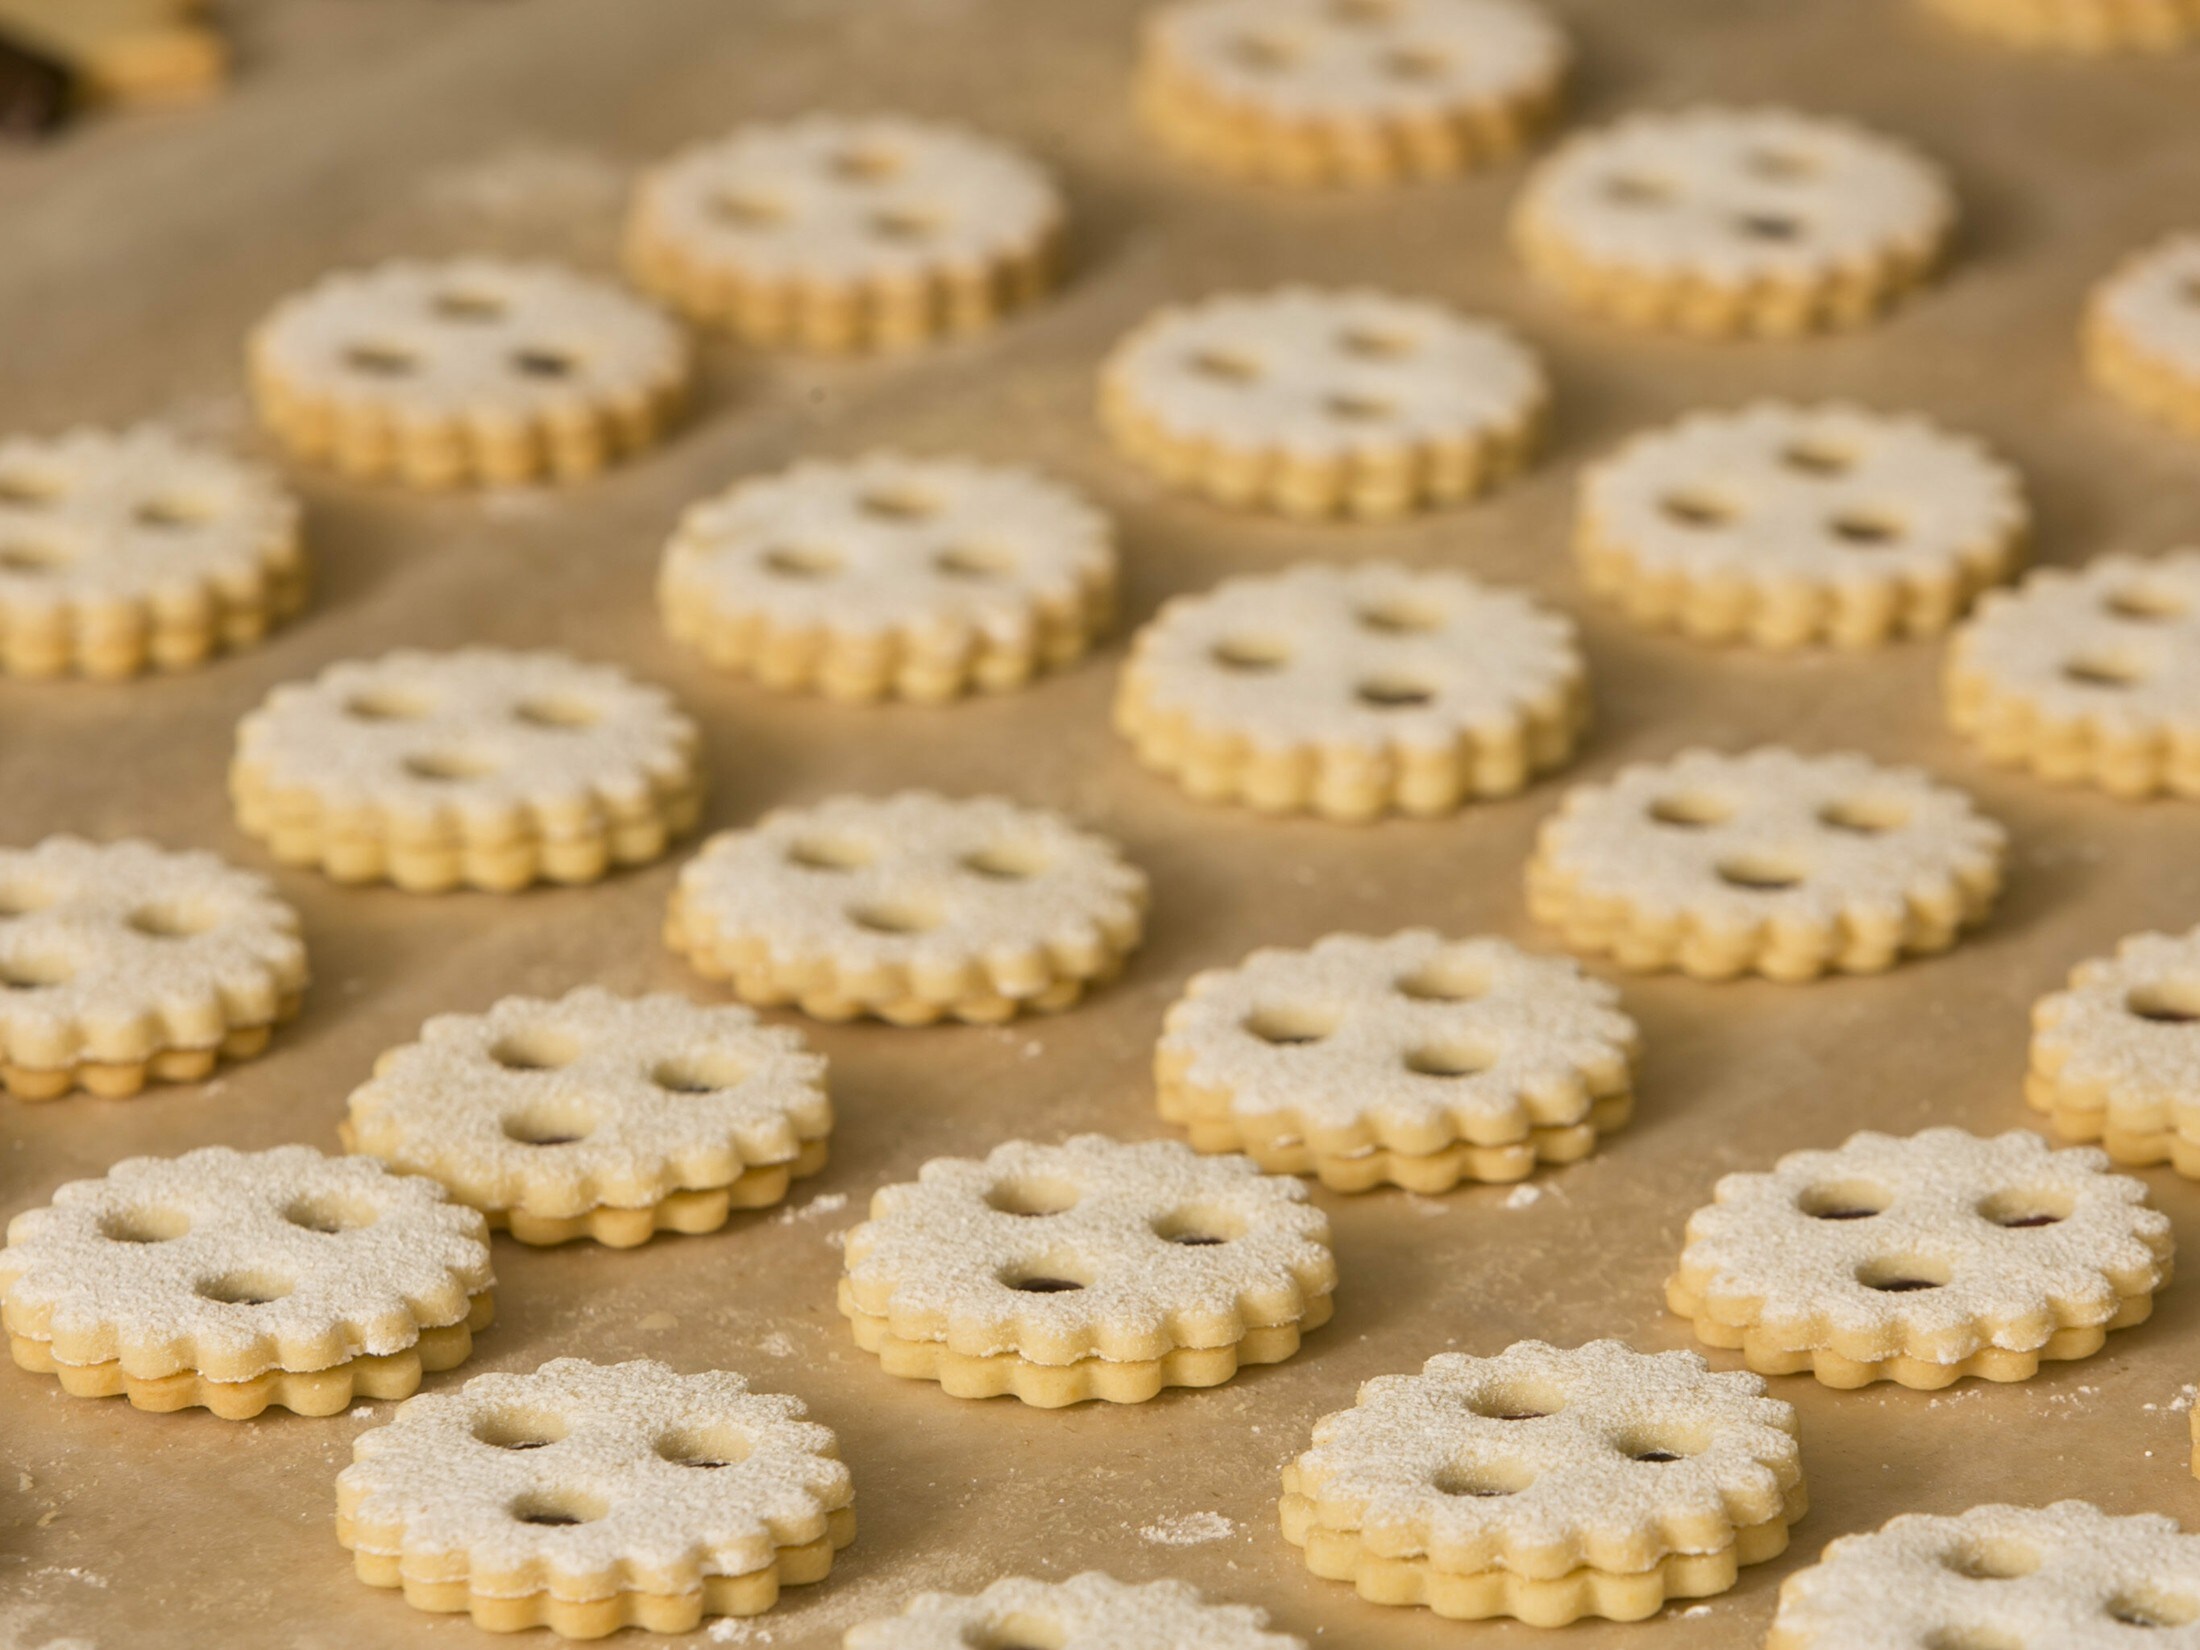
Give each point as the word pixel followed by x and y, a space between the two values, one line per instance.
pixel 134 254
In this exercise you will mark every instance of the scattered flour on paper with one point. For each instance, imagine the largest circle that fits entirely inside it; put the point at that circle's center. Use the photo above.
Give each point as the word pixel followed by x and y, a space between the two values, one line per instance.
pixel 1188 1529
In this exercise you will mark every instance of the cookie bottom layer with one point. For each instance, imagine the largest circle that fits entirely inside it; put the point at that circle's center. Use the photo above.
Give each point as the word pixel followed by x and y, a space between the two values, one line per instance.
pixel 2080 25
pixel 1338 1555
pixel 121 1079
pixel 2090 1120
pixel 127 638
pixel 2133 762
pixel 303 1392
pixel 1210 1128
pixel 1054 1386
pixel 594 1618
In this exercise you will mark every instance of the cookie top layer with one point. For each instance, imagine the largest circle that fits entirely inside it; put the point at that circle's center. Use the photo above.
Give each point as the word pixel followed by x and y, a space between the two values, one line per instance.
pixel 567 1105
pixel 1087 1612
pixel 1092 1248
pixel 1737 196
pixel 1400 1039
pixel 584 1479
pixel 94 518
pixel 2128 1028
pixel 1375 654
pixel 233 1263
pixel 839 201
pixel 2068 1575
pixel 2150 301
pixel 1542 1460
pixel 1942 1236
pixel 483 339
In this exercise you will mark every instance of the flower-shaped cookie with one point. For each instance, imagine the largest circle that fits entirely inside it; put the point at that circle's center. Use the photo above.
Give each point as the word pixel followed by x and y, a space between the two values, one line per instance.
pixel 475 370
pixel 1782 525
pixel 126 552
pixel 121 962
pixel 1324 403
pixel 2142 328
pixel 2068 1576
pixel 2116 1056
pixel 1087 1612
pixel 2080 25
pixel 2088 675
pixel 1349 91
pixel 917 578
pixel 480 767
pixel 589 1497
pixel 599 1116
pixel 1768 862
pixel 1728 221
pixel 236 1280
pixel 1547 1484
pixel 1092 1269
pixel 1353 691
pixel 834 233
pixel 1922 1259
pixel 912 907
pixel 1414 1061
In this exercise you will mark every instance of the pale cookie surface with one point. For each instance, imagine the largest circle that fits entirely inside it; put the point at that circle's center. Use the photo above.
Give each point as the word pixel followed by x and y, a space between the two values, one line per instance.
pixel 474 370
pixel 586 1496
pixel 1538 1464
pixel 838 233
pixel 1349 91
pixel 599 1116
pixel 131 551
pixel 230 1264
pixel 1412 1060
pixel 2080 25
pixel 1726 221
pixel 1092 1251
pixel 1353 691
pixel 2066 1575
pixel 1320 402
pixel 913 907
pixel 1922 1259
pixel 2088 675
pixel 1769 862
pixel 123 961
pixel 2116 1055
pixel 484 767
pixel 1087 1612
pixel 1783 525
pixel 890 575
pixel 2142 327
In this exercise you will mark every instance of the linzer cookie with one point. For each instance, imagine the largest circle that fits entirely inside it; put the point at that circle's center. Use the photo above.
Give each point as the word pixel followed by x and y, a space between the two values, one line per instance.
pixel 2067 1575
pixel 1087 1612
pixel 1324 403
pixel 2142 326
pixel 1922 1260
pixel 2080 25
pixel 1768 862
pixel 1411 1061
pixel 136 551
pixel 1782 525
pixel 121 963
pixel 1353 691
pixel 482 768
pixel 890 577
pixel 2088 676
pixel 1547 1485
pixel 1349 91
pixel 472 371
pixel 599 1116
pixel 834 233
pixel 1733 221
pixel 236 1280
pixel 2116 1055
pixel 589 1497
pixel 913 908
pixel 1091 1269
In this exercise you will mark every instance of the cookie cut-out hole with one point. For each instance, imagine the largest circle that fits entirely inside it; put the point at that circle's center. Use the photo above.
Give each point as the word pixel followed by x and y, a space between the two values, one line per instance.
pixel 2172 1002
pixel 146 1225
pixel 2145 604
pixel 1767 226
pixel 867 163
pixel 801 561
pixel 1845 1200
pixel 1903 1274
pixel 330 1215
pixel 1865 529
pixel 556 1509
pixel 1696 509
pixel 1690 810
pixel 171 514
pixel 747 211
pixel 1400 616
pixel 557 715
pixel 449 767
pixel 20 490
pixel 1199 1227
pixel 173 921
pixel 385 705
pixel 830 853
pixel 903 224
pixel 1021 1630
pixel 468 308
pixel 1973 1637
pixel 1362 14
pixel 33 560
pixel 704 1448
pixel 33 973
pixel 1005 862
pixel 1358 409
pixel 710 1072
pixel 1416 64
pixel 898 504
pixel 2154 1609
pixel 1864 815
pixel 1250 653
pixel 2103 670
pixel 2024 1208
pixel 1635 189
pixel 535 1048
pixel 1444 980
pixel 1449 1060
pixel 1393 693
pixel 1031 1196
pixel 252 1288
pixel 1483 1479
pixel 1263 53
pixel 1814 457
pixel 904 916
pixel 21 899
pixel 1517 1401
pixel 543 363
pixel 519 1429
pixel 379 360
pixel 1042 1283
pixel 1660 1444
pixel 1224 367
pixel 1780 165
pixel 1376 344
pixel 974 561
pixel 1286 1025
pixel 1760 873
pixel 1992 1558
pixel 548 1126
